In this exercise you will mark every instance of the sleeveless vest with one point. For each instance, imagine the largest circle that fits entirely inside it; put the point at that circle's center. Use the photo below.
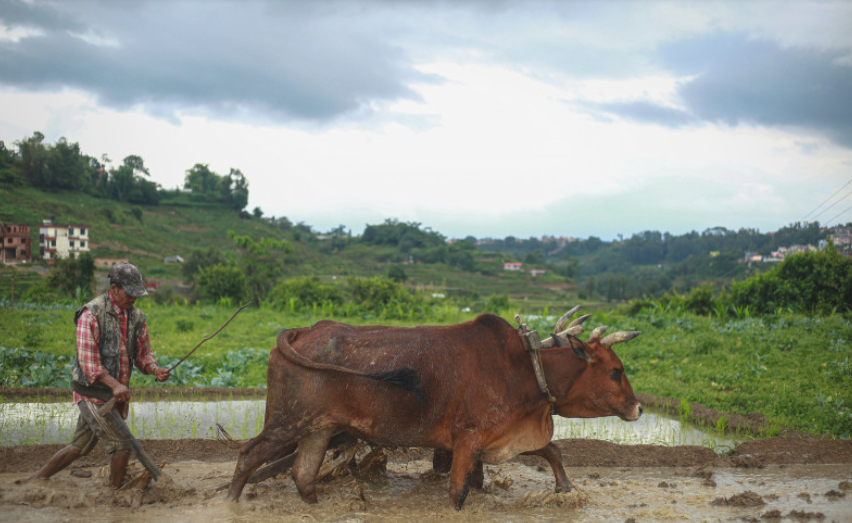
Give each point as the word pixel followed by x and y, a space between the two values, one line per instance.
pixel 109 345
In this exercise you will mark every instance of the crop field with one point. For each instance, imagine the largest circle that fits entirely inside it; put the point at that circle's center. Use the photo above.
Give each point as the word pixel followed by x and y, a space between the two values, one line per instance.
pixel 794 369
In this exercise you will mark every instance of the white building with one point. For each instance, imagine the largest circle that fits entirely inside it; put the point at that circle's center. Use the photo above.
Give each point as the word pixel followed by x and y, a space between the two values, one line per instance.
pixel 62 241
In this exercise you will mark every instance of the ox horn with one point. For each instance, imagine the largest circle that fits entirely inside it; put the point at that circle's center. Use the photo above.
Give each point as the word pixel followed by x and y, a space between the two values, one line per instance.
pixel 580 320
pixel 550 342
pixel 560 324
pixel 619 337
pixel 597 333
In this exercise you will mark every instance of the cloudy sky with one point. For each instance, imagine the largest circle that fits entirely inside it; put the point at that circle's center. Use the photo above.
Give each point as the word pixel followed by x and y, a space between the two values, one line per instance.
pixel 483 118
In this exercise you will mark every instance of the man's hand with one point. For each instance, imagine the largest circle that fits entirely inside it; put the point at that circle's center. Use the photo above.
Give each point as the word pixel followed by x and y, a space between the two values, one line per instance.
pixel 121 393
pixel 161 374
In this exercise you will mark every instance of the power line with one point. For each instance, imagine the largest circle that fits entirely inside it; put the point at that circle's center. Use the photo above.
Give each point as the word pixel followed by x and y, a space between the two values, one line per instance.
pixel 833 204
pixel 830 197
pixel 841 214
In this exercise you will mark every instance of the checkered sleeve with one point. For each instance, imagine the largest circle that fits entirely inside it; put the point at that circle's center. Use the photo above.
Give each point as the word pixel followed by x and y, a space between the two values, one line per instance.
pixel 144 355
pixel 88 334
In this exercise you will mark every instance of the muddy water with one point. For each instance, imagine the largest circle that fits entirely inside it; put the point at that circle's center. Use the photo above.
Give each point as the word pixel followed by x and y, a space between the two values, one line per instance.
pixel 409 492
pixel 38 423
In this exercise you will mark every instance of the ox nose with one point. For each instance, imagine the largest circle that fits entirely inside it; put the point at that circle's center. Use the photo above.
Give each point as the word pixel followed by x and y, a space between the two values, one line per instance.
pixel 640 410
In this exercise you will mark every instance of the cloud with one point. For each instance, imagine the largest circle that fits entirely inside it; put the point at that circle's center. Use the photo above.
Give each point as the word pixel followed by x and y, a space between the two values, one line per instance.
pixel 228 60
pixel 647 112
pixel 737 80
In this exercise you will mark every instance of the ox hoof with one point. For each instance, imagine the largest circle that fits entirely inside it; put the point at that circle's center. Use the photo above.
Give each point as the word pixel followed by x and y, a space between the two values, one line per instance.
pixel 561 489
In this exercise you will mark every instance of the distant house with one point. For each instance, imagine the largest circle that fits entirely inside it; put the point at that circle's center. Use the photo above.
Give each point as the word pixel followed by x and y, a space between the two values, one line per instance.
pixel 537 272
pixel 14 243
pixel 173 259
pixel 841 236
pixel 512 266
pixel 63 241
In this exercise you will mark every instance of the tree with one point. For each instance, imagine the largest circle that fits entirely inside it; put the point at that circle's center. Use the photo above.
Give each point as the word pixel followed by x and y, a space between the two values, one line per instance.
pixel 127 184
pixel 261 262
pixel 66 167
pixel 202 180
pixel 239 192
pixel 219 281
pixel 206 185
pixel 9 166
pixel 397 273
pixel 33 155
pixel 590 286
pixel 257 213
pixel 73 277
pixel 199 259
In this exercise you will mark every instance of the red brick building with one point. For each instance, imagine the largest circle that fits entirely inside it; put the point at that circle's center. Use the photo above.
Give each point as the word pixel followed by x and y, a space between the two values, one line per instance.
pixel 14 243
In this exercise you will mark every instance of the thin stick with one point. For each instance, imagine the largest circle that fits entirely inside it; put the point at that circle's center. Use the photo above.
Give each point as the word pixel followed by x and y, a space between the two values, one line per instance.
pixel 210 337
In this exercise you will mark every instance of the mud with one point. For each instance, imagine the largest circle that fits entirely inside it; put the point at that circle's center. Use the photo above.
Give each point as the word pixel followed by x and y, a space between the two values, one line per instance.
pixel 795 479
pixel 410 491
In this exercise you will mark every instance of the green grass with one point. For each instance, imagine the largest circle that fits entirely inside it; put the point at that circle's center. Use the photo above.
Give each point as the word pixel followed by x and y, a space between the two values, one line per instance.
pixel 791 368
pixel 794 369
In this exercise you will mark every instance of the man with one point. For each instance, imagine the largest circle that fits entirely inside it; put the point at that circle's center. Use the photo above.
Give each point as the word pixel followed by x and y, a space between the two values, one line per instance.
pixel 112 336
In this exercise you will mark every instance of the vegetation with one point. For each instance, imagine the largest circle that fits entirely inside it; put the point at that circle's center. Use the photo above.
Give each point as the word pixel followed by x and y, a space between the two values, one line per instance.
pixel 63 166
pixel 650 263
pixel 791 367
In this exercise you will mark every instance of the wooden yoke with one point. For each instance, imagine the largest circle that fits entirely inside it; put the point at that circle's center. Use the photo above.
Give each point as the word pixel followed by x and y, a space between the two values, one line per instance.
pixel 532 344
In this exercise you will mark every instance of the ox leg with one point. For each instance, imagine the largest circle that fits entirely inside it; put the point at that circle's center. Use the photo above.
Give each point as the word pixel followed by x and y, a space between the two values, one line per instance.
pixel 253 454
pixel 551 453
pixel 308 461
pixel 465 458
pixel 442 461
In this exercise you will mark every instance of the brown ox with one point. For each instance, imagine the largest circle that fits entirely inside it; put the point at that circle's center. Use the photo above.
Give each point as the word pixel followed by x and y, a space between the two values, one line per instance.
pixel 470 389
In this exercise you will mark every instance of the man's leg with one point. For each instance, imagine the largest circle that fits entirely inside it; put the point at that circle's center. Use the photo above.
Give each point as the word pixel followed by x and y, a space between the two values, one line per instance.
pixel 59 461
pixel 81 444
pixel 118 466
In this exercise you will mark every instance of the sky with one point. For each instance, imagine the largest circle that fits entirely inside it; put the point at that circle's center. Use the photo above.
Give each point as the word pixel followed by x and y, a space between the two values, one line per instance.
pixel 473 118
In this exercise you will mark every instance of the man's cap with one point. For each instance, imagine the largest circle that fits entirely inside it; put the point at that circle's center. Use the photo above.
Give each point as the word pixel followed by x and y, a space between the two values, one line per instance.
pixel 128 277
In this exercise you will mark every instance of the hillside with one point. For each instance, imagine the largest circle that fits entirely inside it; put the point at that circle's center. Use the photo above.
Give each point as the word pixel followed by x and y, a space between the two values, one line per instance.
pixel 147 234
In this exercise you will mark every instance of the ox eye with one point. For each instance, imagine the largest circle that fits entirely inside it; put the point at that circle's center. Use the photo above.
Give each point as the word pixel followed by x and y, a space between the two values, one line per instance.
pixel 616 374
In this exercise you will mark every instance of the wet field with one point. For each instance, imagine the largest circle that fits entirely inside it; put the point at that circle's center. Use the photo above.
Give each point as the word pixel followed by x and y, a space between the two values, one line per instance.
pixel 40 423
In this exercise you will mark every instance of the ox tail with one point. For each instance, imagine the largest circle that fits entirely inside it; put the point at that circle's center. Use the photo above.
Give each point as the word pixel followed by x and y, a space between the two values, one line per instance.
pixel 405 378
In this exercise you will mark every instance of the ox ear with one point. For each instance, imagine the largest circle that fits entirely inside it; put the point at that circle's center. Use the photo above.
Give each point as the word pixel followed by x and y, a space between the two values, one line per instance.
pixel 578 347
pixel 570 341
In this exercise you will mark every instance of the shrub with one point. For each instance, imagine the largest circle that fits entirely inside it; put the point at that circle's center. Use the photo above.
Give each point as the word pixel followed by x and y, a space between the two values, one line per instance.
pixel 219 281
pixel 813 282
pixel 306 291
pixel 380 294
pixel 497 304
pixel 700 300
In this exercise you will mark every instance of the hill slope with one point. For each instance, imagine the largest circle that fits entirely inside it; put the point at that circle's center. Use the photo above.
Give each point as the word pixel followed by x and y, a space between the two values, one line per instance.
pixel 146 235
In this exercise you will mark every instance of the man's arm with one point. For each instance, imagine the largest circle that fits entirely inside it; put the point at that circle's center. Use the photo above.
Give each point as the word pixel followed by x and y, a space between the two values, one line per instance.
pixel 145 360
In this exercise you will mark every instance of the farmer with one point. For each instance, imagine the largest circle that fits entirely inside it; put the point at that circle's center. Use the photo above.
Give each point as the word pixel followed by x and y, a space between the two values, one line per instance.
pixel 112 336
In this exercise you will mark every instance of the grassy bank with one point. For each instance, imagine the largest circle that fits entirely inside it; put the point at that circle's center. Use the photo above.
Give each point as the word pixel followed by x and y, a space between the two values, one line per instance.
pixel 794 369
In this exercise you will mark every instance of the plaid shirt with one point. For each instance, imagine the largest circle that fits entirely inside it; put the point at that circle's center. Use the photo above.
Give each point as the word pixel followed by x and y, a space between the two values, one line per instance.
pixel 88 335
